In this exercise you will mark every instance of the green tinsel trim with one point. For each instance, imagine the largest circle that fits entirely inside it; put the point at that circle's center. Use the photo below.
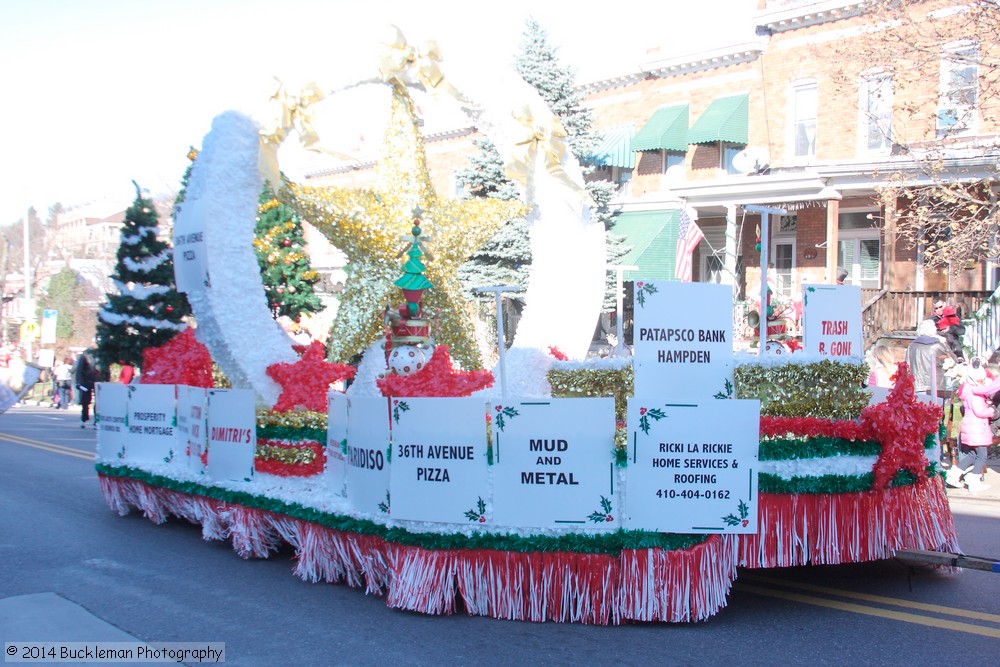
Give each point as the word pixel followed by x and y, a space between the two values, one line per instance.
pixel 826 389
pixel 606 543
pixel 780 449
pixel 621 457
pixel 292 433
pixel 829 484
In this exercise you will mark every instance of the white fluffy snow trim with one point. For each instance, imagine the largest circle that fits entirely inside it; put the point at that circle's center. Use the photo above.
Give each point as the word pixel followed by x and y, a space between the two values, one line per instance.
pixel 140 291
pixel 832 465
pixel 595 363
pixel 117 318
pixel 371 367
pixel 129 239
pixel 799 358
pixel 148 264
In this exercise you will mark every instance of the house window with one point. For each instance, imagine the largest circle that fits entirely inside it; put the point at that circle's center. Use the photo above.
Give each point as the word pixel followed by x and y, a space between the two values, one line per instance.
pixel 859 250
pixel 673 165
pixel 727 153
pixel 959 90
pixel 714 269
pixel 783 260
pixel 876 112
pixel 622 178
pixel 804 98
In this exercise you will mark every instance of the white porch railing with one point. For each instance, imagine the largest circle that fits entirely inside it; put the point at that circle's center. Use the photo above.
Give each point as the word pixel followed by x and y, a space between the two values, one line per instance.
pixel 982 329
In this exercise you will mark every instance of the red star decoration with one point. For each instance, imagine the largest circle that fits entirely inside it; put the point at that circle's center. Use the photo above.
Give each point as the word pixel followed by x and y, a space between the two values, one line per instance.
pixel 304 384
pixel 436 378
pixel 901 422
pixel 181 360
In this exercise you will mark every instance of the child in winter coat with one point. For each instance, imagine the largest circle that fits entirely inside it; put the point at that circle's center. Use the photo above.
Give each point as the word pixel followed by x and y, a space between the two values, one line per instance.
pixel 975 436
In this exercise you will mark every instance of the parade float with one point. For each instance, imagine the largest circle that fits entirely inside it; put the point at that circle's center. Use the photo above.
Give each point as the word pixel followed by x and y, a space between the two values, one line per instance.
pixel 550 488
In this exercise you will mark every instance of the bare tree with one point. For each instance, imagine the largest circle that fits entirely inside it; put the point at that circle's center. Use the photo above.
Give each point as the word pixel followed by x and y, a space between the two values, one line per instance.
pixel 931 71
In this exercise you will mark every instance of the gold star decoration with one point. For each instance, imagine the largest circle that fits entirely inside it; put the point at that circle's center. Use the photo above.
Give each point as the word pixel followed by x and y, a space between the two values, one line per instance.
pixel 367 225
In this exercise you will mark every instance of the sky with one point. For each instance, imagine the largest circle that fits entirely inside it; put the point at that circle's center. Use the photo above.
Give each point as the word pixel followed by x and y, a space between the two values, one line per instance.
pixel 98 93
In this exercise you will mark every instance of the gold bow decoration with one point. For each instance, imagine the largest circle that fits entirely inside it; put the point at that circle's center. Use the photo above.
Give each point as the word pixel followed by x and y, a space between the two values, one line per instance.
pixel 295 113
pixel 544 139
pixel 414 66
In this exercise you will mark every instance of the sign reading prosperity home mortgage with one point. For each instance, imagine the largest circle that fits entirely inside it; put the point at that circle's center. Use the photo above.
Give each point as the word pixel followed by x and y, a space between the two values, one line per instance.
pixel 692 467
pixel 232 434
pixel 152 422
pixel 832 320
pixel 439 470
pixel 554 463
pixel 110 413
pixel 368 454
pixel 683 340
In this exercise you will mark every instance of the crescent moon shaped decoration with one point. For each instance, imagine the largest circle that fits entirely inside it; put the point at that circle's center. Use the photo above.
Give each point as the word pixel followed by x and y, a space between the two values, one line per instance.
pixel 231 309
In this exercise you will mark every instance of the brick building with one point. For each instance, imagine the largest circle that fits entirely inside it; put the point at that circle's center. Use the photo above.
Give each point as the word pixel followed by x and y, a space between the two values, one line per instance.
pixel 787 121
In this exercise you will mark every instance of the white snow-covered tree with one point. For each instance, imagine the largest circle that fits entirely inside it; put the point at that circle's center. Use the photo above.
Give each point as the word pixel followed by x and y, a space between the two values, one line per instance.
pixel 148 310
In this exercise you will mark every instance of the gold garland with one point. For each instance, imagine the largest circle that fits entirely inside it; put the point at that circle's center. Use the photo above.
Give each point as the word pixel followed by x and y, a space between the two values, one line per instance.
pixel 826 389
pixel 297 419
pixel 288 454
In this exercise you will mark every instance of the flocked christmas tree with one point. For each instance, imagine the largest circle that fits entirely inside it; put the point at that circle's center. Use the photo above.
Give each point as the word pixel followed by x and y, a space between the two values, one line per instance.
pixel 147 311
pixel 506 258
pixel 284 265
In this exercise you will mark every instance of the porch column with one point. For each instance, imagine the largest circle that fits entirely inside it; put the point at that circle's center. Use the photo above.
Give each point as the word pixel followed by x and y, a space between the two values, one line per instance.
pixel 729 276
pixel 889 246
pixel 832 239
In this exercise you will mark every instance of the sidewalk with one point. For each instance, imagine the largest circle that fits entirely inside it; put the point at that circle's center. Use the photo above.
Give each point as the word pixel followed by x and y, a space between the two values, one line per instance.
pixel 991 494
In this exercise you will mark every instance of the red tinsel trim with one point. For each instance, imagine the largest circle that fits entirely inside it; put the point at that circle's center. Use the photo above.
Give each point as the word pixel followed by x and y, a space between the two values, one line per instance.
pixel 436 378
pixel 848 527
pixel 812 427
pixel 557 353
pixel 643 585
pixel 282 469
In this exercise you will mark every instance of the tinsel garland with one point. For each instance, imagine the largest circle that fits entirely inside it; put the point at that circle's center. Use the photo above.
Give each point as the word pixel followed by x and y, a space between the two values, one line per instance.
pixel 644 584
pixel 301 419
pixel 599 543
pixel 297 458
pixel 832 484
pixel 826 389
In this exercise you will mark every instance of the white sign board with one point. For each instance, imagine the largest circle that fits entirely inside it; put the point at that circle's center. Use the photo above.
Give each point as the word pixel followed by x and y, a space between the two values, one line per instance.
pixel 367 454
pixel 832 320
pixel 439 469
pixel 190 256
pixel 683 340
pixel 692 468
pixel 554 463
pixel 232 434
pixel 335 474
pixel 192 425
pixel 152 422
pixel 110 415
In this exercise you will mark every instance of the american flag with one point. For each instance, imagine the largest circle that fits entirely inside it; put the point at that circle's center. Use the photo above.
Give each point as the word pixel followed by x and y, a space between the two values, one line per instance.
pixel 688 237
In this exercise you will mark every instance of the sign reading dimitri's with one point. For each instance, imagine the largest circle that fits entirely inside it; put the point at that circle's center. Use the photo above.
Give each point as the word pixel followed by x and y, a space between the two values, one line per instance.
pixel 683 340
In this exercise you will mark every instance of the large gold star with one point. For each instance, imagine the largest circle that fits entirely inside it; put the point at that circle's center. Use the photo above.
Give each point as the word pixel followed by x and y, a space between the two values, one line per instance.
pixel 367 225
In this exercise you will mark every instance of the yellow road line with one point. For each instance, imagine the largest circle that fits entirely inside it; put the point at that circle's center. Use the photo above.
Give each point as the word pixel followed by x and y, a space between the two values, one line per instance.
pixel 47 447
pixel 879 599
pixel 906 617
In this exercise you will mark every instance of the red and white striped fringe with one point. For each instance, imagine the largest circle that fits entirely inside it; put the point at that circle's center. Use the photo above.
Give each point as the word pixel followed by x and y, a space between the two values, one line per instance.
pixel 642 584
pixel 829 529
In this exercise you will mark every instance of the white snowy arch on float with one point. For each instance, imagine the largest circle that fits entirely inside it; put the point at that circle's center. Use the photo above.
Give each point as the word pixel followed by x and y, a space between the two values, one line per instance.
pixel 565 287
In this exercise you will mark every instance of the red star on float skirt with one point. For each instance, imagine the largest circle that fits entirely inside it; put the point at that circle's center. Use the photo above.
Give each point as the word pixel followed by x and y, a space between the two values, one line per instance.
pixel 304 384
pixel 901 422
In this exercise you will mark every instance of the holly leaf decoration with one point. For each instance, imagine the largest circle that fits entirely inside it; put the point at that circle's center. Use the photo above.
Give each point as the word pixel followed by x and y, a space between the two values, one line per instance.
pixel 727 392
pixel 645 415
pixel 384 506
pixel 504 413
pixel 398 408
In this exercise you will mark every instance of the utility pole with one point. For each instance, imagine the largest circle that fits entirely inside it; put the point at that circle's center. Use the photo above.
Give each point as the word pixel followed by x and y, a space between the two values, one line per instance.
pixel 29 306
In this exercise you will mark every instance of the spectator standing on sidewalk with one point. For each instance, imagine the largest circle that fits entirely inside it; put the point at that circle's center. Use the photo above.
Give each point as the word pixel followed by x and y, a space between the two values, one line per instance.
pixel 925 357
pixel 975 436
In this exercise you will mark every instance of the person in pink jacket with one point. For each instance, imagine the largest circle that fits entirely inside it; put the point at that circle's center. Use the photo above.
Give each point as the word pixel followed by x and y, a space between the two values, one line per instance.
pixel 975 436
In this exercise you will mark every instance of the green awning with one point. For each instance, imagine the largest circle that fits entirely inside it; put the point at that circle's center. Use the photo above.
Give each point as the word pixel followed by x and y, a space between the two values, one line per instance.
pixel 653 237
pixel 615 149
pixel 667 129
pixel 726 119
